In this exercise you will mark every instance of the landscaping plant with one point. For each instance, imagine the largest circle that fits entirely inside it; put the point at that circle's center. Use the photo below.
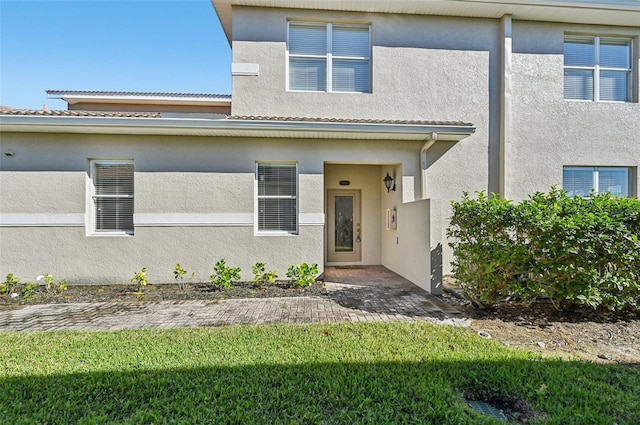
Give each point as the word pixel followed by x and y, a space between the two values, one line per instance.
pixel 9 285
pixel 223 276
pixel 51 285
pixel 140 279
pixel 261 276
pixel 28 289
pixel 178 273
pixel 571 250
pixel 302 275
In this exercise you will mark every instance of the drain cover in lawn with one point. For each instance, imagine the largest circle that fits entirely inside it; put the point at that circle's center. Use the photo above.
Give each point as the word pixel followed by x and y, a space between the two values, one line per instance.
pixel 486 409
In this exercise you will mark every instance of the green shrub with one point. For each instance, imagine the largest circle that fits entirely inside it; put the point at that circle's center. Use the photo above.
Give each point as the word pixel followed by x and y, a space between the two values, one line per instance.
pixel 223 276
pixel 302 275
pixel 261 276
pixel 51 285
pixel 29 289
pixel 573 250
pixel 9 285
pixel 178 273
pixel 140 279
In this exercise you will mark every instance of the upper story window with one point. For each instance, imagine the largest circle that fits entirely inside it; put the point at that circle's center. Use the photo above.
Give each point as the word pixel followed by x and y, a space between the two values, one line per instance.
pixel 112 197
pixel 581 180
pixel 597 68
pixel 277 197
pixel 329 57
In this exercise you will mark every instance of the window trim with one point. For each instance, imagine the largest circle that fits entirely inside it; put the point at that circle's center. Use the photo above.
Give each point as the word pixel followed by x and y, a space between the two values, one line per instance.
pixel 257 197
pixel 92 196
pixel 328 56
pixel 595 175
pixel 597 69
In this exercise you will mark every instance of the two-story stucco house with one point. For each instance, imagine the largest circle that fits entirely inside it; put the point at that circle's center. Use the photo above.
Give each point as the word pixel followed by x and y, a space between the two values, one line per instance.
pixel 351 126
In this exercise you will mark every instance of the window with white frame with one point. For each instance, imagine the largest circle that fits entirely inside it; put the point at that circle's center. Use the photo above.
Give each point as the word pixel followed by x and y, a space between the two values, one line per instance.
pixel 597 68
pixel 277 197
pixel 112 197
pixel 329 57
pixel 579 181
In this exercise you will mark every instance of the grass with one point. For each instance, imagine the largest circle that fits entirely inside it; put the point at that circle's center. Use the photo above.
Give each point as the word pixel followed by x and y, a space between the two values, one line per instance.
pixel 314 374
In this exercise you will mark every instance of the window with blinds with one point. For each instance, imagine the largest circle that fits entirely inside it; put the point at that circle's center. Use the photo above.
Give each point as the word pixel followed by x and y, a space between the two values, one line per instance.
pixel 580 181
pixel 329 57
pixel 277 197
pixel 597 68
pixel 112 197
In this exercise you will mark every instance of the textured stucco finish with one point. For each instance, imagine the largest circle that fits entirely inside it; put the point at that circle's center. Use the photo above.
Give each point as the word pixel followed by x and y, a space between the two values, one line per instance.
pixel 422 68
pixel 68 253
pixel 179 177
pixel 550 132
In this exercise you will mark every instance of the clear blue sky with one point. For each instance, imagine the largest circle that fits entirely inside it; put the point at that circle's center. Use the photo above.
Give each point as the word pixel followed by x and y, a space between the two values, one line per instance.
pixel 109 45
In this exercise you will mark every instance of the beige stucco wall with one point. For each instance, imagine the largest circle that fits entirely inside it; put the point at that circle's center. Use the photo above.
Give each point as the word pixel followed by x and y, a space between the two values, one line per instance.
pixel 550 132
pixel 424 68
pixel 194 203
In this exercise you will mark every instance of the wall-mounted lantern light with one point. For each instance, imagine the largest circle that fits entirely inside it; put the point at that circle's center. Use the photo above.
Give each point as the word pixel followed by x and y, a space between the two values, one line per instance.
pixel 389 184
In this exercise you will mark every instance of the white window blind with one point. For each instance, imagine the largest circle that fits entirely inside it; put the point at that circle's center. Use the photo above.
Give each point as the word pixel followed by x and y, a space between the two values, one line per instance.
pixel 329 57
pixel 579 181
pixel 597 68
pixel 277 197
pixel 112 196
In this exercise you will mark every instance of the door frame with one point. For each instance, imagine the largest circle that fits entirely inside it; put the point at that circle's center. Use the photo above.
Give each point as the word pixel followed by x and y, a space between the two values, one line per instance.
pixel 354 256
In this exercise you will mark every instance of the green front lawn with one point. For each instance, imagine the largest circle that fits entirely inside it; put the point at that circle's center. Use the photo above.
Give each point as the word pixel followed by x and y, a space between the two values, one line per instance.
pixel 318 374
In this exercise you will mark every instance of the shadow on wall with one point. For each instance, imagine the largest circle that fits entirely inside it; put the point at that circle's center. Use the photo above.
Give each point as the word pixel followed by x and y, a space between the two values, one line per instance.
pixel 436 269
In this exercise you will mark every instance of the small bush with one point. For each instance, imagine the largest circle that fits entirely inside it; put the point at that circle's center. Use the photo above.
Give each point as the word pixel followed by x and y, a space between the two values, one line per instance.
pixel 302 275
pixel 178 273
pixel 572 250
pixel 29 289
pixel 140 279
pixel 9 285
pixel 51 285
pixel 261 276
pixel 223 276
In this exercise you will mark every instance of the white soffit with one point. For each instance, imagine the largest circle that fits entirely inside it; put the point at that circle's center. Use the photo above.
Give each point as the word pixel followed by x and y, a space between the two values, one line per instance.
pixel 614 12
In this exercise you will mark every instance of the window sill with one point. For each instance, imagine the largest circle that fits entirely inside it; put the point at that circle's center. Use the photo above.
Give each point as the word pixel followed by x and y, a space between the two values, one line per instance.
pixel 280 234
pixel 599 101
pixel 328 92
pixel 111 234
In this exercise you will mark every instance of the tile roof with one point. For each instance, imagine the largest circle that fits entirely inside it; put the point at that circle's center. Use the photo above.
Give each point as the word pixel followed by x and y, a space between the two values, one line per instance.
pixel 124 114
pixel 348 120
pixel 142 94
pixel 66 113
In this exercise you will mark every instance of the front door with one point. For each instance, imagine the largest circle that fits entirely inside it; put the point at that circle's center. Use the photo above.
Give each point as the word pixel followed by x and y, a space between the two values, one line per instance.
pixel 344 230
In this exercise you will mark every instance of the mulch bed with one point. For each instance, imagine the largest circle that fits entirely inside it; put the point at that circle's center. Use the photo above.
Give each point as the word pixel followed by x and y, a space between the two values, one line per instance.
pixel 163 292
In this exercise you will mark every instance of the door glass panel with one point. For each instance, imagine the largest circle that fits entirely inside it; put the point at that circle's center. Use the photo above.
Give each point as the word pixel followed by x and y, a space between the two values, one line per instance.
pixel 344 223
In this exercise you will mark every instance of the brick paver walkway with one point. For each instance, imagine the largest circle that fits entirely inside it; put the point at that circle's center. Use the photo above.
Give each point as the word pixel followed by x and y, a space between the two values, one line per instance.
pixel 372 294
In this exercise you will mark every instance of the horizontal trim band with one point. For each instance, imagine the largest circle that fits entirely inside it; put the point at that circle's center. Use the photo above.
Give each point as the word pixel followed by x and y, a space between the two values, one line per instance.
pixel 42 220
pixel 149 219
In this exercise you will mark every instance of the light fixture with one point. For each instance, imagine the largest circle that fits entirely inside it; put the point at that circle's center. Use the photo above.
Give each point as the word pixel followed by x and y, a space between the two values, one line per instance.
pixel 389 184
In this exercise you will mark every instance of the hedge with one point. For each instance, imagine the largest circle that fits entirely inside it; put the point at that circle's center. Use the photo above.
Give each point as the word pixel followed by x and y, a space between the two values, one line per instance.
pixel 571 250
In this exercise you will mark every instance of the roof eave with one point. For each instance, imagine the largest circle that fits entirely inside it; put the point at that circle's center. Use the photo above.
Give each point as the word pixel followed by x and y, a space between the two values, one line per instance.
pixel 621 12
pixel 73 99
pixel 231 128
